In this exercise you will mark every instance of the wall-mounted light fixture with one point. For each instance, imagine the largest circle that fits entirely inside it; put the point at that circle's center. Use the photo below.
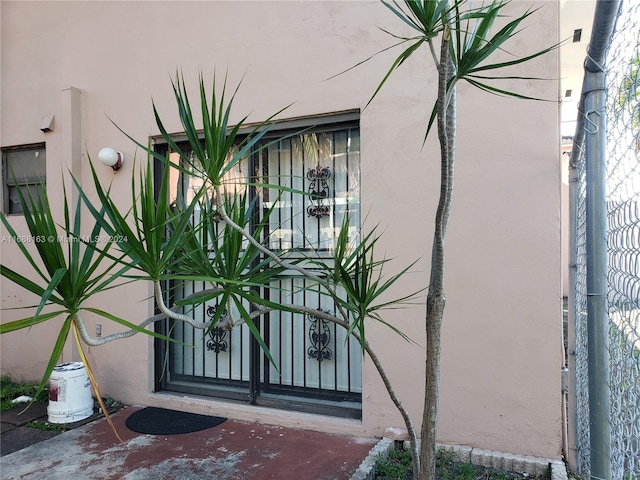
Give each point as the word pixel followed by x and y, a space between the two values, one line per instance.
pixel 111 158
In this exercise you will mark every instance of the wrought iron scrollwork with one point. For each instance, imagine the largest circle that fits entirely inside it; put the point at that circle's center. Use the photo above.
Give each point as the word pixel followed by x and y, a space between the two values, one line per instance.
pixel 320 337
pixel 318 191
pixel 217 336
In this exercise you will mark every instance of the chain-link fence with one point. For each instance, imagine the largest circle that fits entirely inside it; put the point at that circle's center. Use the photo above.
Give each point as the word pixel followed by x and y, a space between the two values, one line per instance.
pixel 622 302
pixel 579 316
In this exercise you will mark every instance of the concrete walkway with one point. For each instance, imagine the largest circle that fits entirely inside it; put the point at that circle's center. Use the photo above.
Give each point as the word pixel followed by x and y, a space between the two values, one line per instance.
pixel 231 451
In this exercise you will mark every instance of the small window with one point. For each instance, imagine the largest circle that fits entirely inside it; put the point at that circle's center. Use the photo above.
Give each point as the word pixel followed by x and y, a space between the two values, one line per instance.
pixel 24 169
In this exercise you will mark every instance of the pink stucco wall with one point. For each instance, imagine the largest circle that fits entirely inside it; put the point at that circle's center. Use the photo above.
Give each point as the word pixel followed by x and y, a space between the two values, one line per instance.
pixel 502 335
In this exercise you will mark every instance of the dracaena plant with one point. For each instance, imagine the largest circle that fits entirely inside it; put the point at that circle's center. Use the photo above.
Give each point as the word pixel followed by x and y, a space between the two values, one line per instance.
pixel 66 270
pixel 220 249
pixel 238 259
pixel 216 253
pixel 210 237
pixel 469 38
pixel 142 238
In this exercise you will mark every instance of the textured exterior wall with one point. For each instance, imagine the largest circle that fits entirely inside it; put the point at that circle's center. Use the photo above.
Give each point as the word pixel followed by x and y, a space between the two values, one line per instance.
pixel 502 335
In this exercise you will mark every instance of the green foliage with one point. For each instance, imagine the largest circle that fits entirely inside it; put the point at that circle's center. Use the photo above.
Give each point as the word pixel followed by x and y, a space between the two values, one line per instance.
pixel 69 277
pixel 397 466
pixel 225 253
pixel 47 427
pixel 469 40
pixel 10 390
pixel 357 269
pixel 473 42
pixel 218 253
pixel 628 98
pixel 210 236
pixel 218 147
pixel 214 251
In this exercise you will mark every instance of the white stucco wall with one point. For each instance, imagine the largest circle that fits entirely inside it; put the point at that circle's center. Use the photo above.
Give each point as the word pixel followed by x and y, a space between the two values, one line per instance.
pixel 502 334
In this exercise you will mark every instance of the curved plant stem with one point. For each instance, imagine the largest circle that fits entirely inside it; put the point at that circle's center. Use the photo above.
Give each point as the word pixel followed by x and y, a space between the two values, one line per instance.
pixel 81 332
pixel 342 322
pixel 157 290
pixel 279 261
pixel 283 263
pixel 432 49
pixel 376 362
pixel 94 342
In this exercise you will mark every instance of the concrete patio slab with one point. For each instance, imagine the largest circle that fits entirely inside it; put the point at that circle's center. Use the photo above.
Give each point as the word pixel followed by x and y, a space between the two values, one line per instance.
pixel 231 451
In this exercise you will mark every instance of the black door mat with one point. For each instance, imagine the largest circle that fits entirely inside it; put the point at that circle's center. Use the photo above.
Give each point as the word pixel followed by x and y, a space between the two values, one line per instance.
pixel 160 421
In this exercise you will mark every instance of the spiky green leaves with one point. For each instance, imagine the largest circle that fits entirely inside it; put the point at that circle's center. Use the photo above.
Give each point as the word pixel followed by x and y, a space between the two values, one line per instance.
pixel 141 232
pixel 215 234
pixel 356 270
pixel 70 277
pixel 215 253
pixel 74 267
pixel 474 45
pixel 426 17
pixel 473 42
pixel 218 147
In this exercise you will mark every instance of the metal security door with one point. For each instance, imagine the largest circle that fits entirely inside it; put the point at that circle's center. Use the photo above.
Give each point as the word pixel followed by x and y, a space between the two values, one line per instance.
pixel 316 368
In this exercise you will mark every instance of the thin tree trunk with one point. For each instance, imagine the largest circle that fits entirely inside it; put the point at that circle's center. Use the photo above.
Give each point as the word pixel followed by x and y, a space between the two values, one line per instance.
pixel 435 295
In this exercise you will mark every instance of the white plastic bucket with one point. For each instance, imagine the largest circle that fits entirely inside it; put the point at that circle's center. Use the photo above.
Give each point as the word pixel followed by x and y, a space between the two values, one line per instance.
pixel 69 394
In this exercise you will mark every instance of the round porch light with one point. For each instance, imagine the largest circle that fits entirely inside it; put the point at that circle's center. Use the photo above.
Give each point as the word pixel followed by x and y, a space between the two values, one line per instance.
pixel 111 158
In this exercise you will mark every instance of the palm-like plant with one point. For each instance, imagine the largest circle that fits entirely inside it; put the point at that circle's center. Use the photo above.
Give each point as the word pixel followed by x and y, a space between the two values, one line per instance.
pixel 69 278
pixel 468 41
pixel 216 253
pixel 211 237
pixel 155 241
pixel 238 261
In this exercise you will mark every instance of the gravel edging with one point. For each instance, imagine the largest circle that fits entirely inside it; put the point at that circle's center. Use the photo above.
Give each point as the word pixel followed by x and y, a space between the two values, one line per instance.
pixel 476 456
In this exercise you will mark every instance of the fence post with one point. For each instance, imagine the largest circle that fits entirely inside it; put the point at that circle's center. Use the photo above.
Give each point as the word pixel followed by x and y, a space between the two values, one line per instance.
pixel 596 249
pixel 594 96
